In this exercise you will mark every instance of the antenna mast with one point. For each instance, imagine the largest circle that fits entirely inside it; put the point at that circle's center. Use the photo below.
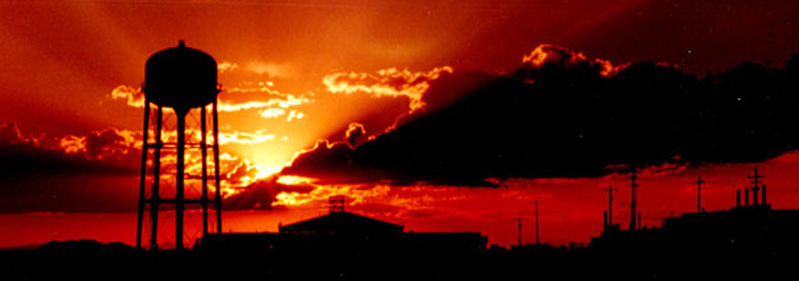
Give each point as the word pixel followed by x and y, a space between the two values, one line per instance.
pixel 610 206
pixel 633 204
pixel 755 181
pixel 537 241
pixel 699 183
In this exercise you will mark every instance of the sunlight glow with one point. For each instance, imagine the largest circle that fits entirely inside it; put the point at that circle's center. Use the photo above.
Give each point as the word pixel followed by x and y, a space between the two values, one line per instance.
pixel 295 180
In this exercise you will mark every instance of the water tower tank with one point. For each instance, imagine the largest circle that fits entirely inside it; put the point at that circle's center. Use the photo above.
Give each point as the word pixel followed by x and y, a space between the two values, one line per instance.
pixel 181 78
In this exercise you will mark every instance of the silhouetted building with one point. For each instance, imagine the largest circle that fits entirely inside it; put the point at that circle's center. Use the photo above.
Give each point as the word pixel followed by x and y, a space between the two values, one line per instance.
pixel 740 229
pixel 342 222
pixel 750 239
pixel 345 233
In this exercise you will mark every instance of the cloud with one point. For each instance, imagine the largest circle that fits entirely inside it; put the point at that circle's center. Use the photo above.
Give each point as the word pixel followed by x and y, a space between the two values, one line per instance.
pixel 101 144
pixel 354 133
pixel 244 138
pixel 86 172
pixel 560 57
pixel 134 97
pixel 272 70
pixel 390 82
pixel 310 192
pixel 675 165
pixel 261 87
pixel 564 115
pixel 273 112
pixel 295 115
pixel 278 192
pixel 444 91
pixel 100 152
pixel 273 107
pixel 226 66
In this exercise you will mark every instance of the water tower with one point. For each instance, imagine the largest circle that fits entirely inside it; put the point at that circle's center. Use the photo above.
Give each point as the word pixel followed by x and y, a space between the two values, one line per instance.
pixel 180 84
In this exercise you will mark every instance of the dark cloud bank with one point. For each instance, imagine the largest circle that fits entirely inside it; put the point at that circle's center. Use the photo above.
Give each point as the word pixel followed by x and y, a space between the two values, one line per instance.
pixel 100 152
pixel 41 175
pixel 564 118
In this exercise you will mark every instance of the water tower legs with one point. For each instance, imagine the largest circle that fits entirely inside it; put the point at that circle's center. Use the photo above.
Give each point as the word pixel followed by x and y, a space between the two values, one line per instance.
pixel 156 174
pixel 180 180
pixel 143 178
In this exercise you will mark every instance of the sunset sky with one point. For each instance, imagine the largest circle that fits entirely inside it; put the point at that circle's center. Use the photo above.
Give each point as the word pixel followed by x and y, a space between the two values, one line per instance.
pixel 305 81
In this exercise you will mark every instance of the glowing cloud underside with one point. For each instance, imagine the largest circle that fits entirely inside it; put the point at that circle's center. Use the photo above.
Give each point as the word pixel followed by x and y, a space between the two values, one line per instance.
pixel 386 82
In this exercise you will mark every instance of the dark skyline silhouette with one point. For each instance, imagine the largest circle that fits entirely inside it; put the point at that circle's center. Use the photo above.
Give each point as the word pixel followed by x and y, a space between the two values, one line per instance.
pixel 564 118
pixel 408 109
pixel 750 240
pixel 455 159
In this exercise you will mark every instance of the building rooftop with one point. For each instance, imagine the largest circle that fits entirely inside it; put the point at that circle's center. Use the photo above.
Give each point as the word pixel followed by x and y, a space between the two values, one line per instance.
pixel 341 222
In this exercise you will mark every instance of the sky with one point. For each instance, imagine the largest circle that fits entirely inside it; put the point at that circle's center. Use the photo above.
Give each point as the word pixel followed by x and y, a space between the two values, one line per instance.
pixel 307 82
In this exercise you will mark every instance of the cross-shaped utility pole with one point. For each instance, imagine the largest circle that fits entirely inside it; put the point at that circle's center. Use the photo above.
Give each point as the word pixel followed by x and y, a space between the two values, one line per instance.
pixel 755 181
pixel 520 230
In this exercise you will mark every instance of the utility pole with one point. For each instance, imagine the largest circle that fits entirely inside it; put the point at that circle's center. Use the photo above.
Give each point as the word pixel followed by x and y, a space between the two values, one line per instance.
pixel 520 230
pixel 610 205
pixel 755 181
pixel 633 185
pixel 699 183
pixel 537 241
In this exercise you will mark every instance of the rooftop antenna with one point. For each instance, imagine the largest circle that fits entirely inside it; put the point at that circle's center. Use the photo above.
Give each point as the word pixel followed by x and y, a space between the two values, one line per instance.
pixel 519 220
pixel 746 197
pixel 737 198
pixel 610 190
pixel 699 183
pixel 537 241
pixel 633 204
pixel 755 181
pixel 336 204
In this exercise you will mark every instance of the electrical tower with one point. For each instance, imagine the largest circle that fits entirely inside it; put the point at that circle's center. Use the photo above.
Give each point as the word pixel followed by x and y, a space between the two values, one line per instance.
pixel 180 84
pixel 633 200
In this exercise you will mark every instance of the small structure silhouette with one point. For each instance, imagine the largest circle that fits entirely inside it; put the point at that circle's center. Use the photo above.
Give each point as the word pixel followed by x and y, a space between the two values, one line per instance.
pixel 519 221
pixel 343 232
pixel 749 234
pixel 699 183
pixel 608 222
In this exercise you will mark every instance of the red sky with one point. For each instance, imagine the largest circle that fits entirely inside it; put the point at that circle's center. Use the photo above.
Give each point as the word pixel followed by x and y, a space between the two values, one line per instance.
pixel 63 60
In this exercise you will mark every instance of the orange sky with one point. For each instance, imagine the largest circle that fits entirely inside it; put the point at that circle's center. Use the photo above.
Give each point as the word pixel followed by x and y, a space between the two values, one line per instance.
pixel 69 66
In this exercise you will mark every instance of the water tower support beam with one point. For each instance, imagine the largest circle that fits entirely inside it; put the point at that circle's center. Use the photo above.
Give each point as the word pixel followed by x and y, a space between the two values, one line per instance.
pixel 218 197
pixel 204 148
pixel 156 193
pixel 143 179
pixel 179 192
